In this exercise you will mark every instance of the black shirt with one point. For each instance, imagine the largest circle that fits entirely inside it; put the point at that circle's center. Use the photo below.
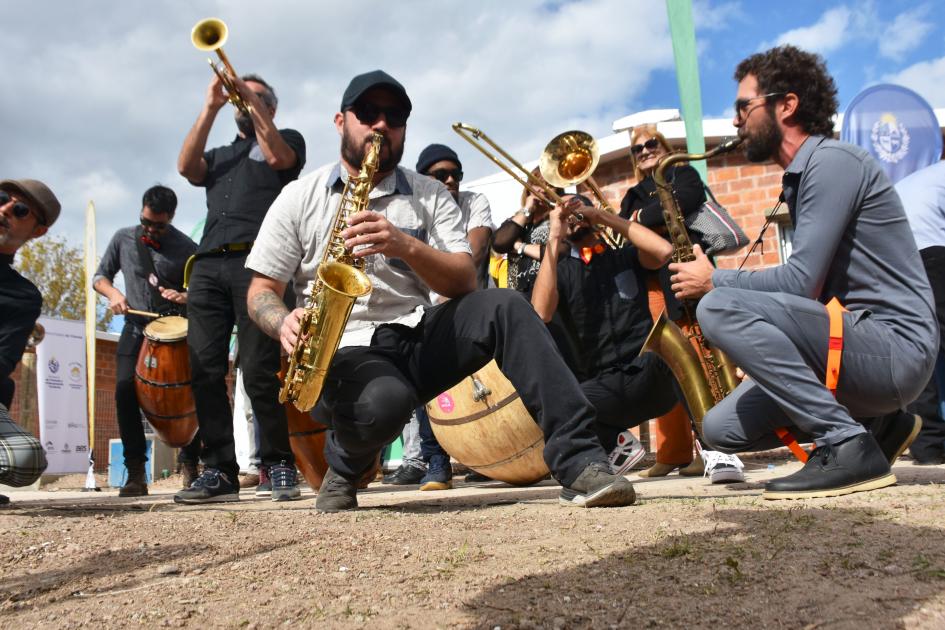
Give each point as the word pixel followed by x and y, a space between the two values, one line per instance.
pixel 604 306
pixel 687 187
pixel 240 188
pixel 20 305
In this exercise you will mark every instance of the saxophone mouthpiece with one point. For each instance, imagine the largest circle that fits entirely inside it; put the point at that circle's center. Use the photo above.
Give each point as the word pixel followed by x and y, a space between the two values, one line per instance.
pixel 729 144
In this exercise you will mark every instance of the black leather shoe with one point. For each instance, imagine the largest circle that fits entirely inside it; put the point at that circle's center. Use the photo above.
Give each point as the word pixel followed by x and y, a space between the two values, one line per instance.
pixel 337 494
pixel 895 433
pixel 854 465
pixel 405 475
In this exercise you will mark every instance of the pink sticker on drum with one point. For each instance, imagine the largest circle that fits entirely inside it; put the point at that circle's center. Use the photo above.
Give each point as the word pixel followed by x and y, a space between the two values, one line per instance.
pixel 445 402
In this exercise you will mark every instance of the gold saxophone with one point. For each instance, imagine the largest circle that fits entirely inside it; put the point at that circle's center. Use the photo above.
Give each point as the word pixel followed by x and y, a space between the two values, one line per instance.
pixel 340 280
pixel 705 374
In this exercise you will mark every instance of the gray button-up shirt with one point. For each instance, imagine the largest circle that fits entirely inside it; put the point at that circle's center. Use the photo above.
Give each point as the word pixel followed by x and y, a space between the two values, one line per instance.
pixel 852 241
pixel 122 255
pixel 292 239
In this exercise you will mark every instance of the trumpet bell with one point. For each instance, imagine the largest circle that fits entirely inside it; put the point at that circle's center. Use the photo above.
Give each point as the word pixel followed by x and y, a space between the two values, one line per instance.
pixel 569 159
pixel 209 34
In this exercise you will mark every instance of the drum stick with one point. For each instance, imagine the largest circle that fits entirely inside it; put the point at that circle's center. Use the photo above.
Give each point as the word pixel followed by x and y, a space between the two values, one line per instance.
pixel 132 311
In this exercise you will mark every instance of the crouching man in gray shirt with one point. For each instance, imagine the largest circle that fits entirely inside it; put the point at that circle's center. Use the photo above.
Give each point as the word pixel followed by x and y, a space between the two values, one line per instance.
pixel 851 242
pixel 398 350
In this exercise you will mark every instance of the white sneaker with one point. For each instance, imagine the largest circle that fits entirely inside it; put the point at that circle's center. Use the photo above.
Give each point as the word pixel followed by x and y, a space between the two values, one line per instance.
pixel 627 453
pixel 722 467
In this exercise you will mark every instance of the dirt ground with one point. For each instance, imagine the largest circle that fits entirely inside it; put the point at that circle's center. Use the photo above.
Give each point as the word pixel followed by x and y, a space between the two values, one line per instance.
pixel 688 555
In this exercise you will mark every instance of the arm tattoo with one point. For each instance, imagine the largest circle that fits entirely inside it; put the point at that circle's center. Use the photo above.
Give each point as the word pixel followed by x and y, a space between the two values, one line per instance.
pixel 268 310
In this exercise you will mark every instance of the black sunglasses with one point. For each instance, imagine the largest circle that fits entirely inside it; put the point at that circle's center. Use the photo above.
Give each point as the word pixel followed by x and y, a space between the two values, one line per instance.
pixel 154 225
pixel 650 144
pixel 741 104
pixel 443 174
pixel 20 209
pixel 368 113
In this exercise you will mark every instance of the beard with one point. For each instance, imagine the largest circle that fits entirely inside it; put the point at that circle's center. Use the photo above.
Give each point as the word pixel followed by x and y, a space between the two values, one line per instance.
pixel 353 153
pixel 762 145
pixel 244 122
pixel 580 234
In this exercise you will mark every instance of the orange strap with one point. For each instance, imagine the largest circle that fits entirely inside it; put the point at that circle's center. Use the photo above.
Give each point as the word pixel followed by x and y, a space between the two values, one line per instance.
pixel 835 313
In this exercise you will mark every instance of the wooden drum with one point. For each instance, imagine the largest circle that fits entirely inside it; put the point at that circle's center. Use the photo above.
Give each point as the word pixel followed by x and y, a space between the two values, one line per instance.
pixel 484 425
pixel 162 381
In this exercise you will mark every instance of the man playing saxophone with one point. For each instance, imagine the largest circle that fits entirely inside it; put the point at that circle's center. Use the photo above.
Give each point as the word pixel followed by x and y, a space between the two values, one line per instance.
pixel 816 369
pixel 398 350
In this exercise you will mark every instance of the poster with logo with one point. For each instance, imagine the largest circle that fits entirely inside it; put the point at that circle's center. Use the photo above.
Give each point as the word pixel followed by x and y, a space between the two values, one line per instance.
pixel 897 126
pixel 61 388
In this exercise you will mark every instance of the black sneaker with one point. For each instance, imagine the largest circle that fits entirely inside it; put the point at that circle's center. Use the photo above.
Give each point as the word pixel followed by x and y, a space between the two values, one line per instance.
pixel 895 433
pixel 597 487
pixel 264 489
pixel 337 494
pixel 477 477
pixel 212 486
pixel 833 470
pixel 405 475
pixel 285 485
pixel 439 474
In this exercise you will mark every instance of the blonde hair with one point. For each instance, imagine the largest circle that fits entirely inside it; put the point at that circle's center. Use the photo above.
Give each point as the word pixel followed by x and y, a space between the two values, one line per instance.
pixel 650 132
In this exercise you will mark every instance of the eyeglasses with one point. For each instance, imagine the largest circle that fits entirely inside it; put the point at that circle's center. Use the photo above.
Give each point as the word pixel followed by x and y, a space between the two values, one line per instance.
pixel 20 209
pixel 741 104
pixel 443 174
pixel 368 113
pixel 650 145
pixel 154 225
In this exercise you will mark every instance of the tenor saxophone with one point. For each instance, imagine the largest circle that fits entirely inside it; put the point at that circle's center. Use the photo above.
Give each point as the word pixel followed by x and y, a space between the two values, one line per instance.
pixel 704 373
pixel 340 281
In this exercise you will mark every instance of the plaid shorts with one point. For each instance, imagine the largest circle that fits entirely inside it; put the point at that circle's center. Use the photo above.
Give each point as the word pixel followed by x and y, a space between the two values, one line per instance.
pixel 22 458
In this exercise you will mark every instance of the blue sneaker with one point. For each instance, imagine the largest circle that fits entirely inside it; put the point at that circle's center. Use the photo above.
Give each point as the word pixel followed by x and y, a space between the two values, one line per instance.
pixel 285 486
pixel 439 474
pixel 212 486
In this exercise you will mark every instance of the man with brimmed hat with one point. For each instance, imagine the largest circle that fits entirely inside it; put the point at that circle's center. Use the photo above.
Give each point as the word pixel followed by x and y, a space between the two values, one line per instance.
pixel 28 208
pixel 241 179
pixel 399 350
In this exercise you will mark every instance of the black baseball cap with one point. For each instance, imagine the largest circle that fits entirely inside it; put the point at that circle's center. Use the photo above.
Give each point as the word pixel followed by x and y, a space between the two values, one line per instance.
pixel 376 78
pixel 436 153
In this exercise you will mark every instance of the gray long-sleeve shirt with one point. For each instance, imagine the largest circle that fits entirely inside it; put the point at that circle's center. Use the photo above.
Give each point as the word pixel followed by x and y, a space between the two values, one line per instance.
pixel 852 241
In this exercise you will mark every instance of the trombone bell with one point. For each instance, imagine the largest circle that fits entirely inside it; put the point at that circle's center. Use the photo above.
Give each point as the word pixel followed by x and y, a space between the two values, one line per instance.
pixel 569 159
pixel 209 34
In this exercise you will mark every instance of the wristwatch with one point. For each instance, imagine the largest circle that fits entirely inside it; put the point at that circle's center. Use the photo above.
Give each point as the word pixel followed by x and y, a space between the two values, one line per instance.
pixel 520 250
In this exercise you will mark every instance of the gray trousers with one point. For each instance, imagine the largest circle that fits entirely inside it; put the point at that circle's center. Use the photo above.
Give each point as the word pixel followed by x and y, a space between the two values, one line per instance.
pixel 780 341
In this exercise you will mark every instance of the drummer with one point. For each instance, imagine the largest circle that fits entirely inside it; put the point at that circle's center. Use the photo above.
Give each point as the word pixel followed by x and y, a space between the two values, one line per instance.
pixel 151 257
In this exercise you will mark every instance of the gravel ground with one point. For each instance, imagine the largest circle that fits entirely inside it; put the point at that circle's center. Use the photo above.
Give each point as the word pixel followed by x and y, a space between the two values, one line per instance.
pixel 689 554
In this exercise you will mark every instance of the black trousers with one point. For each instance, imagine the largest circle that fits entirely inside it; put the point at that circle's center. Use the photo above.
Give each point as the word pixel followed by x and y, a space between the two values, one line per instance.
pixel 126 401
pixel 370 391
pixel 216 300
pixel 930 444
pixel 629 394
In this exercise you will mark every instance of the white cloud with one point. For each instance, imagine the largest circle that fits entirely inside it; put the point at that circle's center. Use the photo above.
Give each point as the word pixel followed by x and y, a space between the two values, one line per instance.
pixel 905 33
pixel 106 91
pixel 927 78
pixel 826 35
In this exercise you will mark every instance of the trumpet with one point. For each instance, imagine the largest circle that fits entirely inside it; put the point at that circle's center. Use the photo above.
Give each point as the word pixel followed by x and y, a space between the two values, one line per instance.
pixel 210 34
pixel 568 160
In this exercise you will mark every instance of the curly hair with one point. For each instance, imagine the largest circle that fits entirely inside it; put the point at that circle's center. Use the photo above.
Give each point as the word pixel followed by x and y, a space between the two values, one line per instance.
pixel 790 69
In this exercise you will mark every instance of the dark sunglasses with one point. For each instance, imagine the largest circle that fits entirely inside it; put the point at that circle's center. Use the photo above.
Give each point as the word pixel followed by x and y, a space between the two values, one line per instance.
pixel 20 209
pixel 741 104
pixel 650 144
pixel 154 225
pixel 443 174
pixel 368 113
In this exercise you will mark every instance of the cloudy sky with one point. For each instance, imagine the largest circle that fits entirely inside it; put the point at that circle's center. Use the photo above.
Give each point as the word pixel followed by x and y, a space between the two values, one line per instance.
pixel 99 94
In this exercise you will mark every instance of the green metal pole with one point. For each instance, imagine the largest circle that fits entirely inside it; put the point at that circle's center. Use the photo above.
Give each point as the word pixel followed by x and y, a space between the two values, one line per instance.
pixel 683 32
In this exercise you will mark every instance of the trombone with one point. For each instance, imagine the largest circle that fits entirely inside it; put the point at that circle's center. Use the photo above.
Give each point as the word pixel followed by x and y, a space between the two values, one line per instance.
pixel 569 159
pixel 210 34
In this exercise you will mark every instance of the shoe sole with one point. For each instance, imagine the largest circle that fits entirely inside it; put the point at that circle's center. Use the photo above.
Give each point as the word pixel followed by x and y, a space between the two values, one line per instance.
pixel 220 498
pixel 262 494
pixel 863 486
pixel 286 495
pixel 916 427
pixel 630 463
pixel 614 495
pixel 728 478
pixel 436 485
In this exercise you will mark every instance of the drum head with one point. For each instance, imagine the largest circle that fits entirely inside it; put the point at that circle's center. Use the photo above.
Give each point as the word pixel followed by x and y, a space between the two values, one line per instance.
pixel 170 328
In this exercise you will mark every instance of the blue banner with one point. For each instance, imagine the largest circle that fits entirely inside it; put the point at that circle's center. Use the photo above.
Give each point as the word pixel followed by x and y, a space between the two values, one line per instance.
pixel 897 127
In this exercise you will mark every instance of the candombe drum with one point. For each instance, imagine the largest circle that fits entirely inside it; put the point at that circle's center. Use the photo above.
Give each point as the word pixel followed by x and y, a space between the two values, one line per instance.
pixel 483 424
pixel 162 381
